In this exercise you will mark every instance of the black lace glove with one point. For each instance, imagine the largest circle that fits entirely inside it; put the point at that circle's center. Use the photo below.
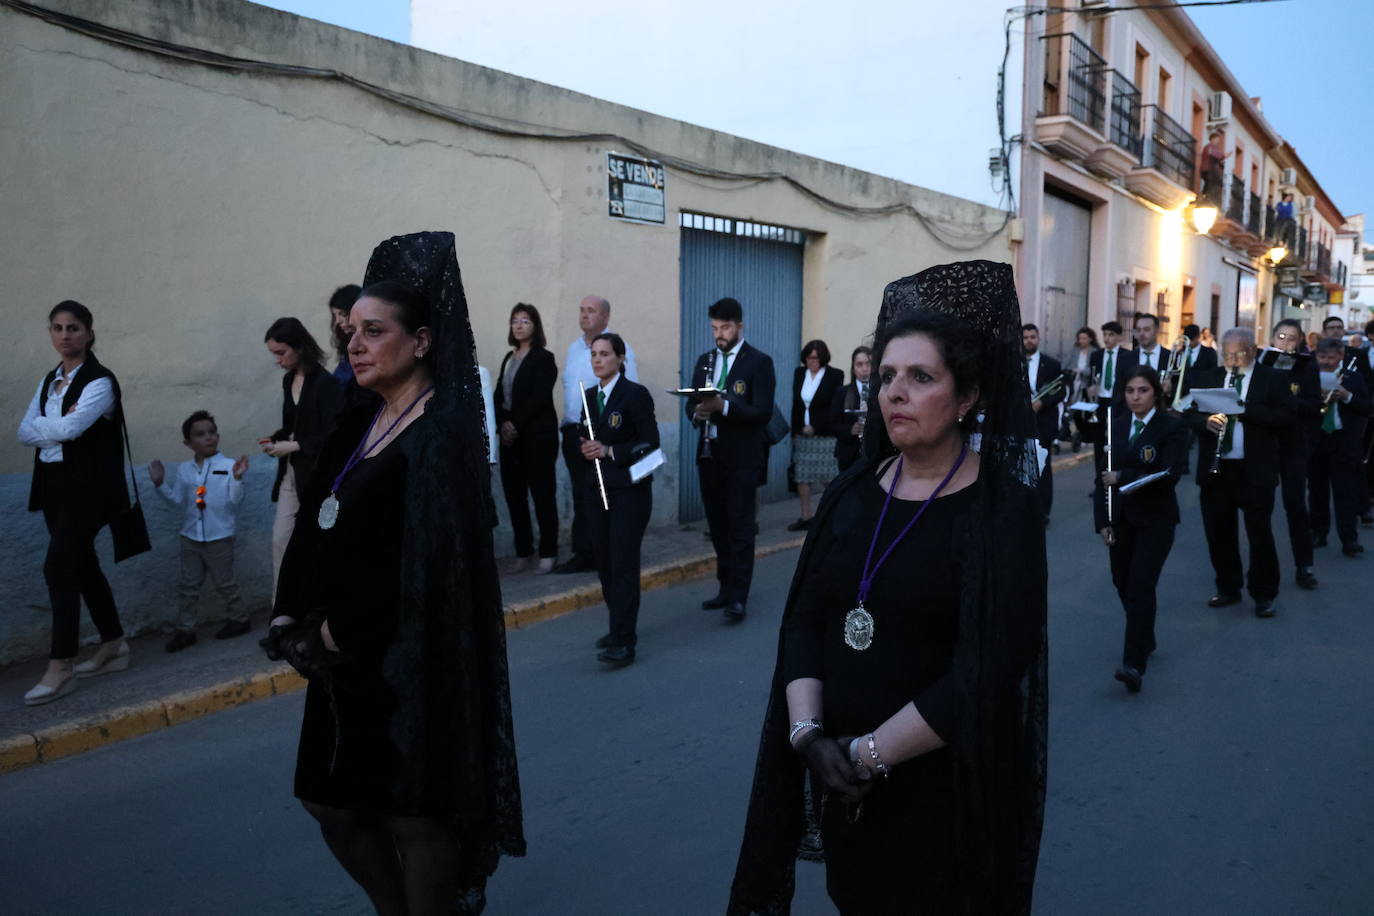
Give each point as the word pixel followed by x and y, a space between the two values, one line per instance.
pixel 829 762
pixel 272 642
pixel 302 645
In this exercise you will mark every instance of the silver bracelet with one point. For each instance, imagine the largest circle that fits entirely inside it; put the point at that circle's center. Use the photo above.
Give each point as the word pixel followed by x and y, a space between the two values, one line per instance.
pixel 854 758
pixel 878 764
pixel 801 726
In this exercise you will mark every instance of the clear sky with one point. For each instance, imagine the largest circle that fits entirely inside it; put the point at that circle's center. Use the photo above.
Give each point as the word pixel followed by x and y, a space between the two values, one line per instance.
pixel 1311 61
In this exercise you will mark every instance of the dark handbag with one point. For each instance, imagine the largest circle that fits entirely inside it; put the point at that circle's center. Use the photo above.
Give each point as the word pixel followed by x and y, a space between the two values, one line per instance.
pixel 128 528
pixel 777 429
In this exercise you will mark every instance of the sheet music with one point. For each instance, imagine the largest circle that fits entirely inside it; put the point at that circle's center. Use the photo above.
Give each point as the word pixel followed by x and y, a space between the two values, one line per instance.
pixel 645 466
pixel 1218 400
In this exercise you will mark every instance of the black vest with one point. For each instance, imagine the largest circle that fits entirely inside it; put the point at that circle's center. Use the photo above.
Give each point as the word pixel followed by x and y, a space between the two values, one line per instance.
pixel 95 459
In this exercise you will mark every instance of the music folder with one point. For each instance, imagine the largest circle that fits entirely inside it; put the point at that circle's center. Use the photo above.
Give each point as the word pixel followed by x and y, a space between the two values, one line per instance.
pixel 694 392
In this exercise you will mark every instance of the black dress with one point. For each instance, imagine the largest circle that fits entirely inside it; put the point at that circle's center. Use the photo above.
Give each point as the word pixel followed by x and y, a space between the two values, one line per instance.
pixel 897 854
pixel 347 757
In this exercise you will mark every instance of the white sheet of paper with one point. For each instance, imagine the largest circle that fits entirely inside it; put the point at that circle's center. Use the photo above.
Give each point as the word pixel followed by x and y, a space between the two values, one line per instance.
pixel 1082 405
pixel 1217 400
pixel 1142 481
pixel 645 466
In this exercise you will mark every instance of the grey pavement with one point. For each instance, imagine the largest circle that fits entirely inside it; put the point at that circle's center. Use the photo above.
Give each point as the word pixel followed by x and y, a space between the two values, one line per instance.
pixel 1240 781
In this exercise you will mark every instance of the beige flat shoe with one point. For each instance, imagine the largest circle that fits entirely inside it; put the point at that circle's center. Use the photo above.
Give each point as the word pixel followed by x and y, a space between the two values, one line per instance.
pixel 545 566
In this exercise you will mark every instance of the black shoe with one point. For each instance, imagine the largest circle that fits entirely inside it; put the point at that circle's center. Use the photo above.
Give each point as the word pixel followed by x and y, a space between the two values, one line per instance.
pixel 1306 579
pixel 734 612
pixel 233 628
pixel 800 524
pixel 1131 677
pixel 616 656
pixel 1352 550
pixel 1224 600
pixel 1266 607
pixel 604 642
pixel 180 640
pixel 1318 541
pixel 577 563
pixel 715 604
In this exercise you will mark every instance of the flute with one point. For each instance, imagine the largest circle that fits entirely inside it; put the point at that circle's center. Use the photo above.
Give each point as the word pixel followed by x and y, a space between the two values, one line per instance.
pixel 706 425
pixel 600 481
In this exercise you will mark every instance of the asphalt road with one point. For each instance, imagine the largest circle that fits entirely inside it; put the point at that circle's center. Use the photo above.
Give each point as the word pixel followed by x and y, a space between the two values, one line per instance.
pixel 1240 781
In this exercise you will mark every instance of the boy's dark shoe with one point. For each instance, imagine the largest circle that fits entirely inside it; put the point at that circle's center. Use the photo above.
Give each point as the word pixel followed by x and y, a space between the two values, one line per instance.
pixel 180 640
pixel 233 628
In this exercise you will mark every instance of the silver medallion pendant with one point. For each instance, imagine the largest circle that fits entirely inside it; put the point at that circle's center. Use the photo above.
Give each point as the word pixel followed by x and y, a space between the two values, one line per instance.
pixel 858 629
pixel 329 512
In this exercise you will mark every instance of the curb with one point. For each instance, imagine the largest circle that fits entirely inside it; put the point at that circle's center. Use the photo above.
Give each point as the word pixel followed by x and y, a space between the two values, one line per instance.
pixel 23 750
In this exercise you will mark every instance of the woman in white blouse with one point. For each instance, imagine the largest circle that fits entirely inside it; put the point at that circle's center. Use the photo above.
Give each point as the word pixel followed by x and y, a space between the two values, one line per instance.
pixel 73 424
pixel 815 385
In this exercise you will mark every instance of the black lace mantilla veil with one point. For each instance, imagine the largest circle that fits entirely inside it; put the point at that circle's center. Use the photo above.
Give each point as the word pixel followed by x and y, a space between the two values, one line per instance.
pixel 1001 655
pixel 447 664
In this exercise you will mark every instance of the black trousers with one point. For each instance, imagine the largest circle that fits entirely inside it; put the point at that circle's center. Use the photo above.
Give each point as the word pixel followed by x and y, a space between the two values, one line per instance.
pixel 616 538
pixel 577 472
pixel 1293 482
pixel 1366 470
pixel 1045 486
pixel 1222 497
pixel 71 567
pixel 527 469
pixel 1333 475
pixel 1137 560
pixel 731 499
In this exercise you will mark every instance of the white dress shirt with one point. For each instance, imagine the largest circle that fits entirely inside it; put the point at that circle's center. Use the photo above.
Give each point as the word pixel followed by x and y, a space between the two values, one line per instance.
pixel 47 431
pixel 1104 390
pixel 733 353
pixel 1150 358
pixel 1032 370
pixel 578 374
pixel 222 494
pixel 811 383
pixel 1237 449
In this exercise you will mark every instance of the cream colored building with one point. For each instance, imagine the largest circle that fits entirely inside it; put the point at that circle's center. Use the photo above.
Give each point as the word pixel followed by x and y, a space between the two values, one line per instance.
pixel 193 171
pixel 1125 211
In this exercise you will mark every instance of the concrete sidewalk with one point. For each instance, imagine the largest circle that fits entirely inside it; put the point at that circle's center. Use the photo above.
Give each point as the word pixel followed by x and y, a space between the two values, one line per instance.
pixel 160 690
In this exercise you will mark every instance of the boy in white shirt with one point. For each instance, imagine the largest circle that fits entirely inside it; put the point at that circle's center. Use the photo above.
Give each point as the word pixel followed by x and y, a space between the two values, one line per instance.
pixel 209 489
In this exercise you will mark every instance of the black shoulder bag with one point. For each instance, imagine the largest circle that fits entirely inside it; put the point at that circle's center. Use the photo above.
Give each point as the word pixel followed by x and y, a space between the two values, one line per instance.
pixel 128 529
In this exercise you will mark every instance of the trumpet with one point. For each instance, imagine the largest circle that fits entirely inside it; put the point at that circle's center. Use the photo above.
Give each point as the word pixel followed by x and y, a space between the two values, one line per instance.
pixel 1340 377
pixel 1053 387
pixel 1097 383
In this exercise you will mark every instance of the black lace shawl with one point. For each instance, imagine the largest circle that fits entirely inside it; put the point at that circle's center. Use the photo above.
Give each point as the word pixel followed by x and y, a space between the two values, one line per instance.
pixel 1000 659
pixel 447 664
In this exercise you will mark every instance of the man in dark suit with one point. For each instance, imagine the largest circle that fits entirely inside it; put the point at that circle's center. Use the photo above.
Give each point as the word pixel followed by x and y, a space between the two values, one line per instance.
pixel 1040 371
pixel 1297 441
pixel 1334 468
pixel 732 453
pixel 1108 366
pixel 1148 352
pixel 1244 450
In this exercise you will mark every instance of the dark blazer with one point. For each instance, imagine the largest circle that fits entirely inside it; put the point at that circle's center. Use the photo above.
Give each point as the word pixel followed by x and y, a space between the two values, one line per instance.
pixel 627 422
pixel 1362 366
pixel 749 388
pixel 97 454
pixel 531 402
pixel 1047 420
pixel 1205 358
pixel 1161 446
pixel 832 380
pixel 311 419
pixel 1354 415
pixel 1268 411
pixel 1124 361
pixel 847 445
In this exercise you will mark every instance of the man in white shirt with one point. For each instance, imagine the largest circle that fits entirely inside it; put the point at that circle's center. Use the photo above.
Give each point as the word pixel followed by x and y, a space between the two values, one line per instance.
pixel 593 317
pixel 208 490
pixel 1148 351
pixel 1108 365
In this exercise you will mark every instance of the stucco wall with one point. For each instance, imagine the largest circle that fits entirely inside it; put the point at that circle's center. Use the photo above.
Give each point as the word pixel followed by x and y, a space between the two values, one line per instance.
pixel 190 206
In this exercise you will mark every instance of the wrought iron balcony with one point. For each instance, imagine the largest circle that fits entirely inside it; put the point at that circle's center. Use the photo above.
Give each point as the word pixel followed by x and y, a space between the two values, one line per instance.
pixel 1235 207
pixel 1075 80
pixel 1254 223
pixel 1170 149
pixel 1125 121
pixel 1271 231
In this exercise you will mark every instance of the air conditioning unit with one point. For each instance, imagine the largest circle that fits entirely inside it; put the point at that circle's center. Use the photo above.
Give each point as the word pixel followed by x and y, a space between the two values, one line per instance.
pixel 1219 107
pixel 1289 177
pixel 1309 203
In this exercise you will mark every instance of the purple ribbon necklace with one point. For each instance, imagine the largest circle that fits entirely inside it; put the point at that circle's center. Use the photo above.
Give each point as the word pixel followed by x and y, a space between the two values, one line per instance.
pixel 329 509
pixel 858 623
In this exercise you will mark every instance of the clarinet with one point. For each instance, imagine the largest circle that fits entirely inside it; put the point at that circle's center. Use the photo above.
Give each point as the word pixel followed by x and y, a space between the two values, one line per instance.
pixel 705 451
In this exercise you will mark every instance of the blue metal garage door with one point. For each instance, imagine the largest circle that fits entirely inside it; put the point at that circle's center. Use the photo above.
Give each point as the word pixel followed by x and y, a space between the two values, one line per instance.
pixel 761 266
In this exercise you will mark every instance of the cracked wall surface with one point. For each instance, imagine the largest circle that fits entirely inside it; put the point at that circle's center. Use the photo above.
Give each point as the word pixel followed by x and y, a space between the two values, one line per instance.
pixel 190 206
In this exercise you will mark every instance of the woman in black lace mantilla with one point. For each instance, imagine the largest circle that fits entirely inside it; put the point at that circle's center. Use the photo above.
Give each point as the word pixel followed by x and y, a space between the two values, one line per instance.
pixel 910 681
pixel 389 604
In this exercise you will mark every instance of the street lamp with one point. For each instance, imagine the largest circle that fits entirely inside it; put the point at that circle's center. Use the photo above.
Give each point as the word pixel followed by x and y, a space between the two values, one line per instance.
pixel 1204 218
pixel 1277 254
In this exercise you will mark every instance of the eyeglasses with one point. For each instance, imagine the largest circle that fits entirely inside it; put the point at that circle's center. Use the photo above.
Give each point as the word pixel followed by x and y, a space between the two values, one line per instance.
pixel 520 322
